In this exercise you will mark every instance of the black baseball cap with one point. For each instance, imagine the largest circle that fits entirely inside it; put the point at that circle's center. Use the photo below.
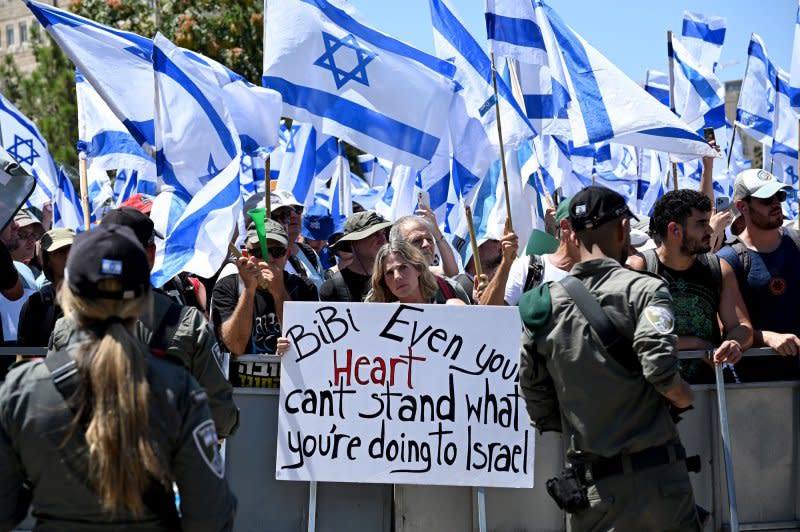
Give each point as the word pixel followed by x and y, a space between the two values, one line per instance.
pixel 594 206
pixel 140 223
pixel 107 252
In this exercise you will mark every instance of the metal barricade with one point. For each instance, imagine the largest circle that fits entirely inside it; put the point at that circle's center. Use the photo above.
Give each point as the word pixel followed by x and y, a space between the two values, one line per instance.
pixel 764 423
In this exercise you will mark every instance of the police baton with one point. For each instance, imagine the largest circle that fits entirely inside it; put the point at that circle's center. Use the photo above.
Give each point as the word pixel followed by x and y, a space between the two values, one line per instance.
pixel 726 447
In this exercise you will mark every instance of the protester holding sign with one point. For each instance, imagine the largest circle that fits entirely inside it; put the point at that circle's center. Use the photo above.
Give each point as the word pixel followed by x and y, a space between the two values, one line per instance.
pixel 608 397
pixel 401 274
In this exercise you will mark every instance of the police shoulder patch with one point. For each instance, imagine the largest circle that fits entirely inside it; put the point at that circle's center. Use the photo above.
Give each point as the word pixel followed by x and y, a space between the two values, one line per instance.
pixel 660 318
pixel 205 439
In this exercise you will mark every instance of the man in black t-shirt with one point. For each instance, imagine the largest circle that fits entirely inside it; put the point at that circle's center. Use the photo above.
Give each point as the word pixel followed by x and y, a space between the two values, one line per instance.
pixel 365 233
pixel 247 309
pixel 702 287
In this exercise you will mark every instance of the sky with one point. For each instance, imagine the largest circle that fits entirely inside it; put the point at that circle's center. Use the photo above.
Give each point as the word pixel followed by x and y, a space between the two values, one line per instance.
pixel 632 34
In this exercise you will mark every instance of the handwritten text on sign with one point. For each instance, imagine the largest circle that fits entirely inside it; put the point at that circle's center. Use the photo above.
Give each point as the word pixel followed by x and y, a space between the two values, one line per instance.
pixel 393 393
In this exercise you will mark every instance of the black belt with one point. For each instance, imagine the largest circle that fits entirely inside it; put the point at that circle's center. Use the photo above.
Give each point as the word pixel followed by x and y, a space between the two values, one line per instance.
pixel 629 463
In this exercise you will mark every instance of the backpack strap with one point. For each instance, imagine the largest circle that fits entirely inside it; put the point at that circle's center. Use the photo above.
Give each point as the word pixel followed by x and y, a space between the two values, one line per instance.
pixel 616 345
pixel 445 290
pixel 158 340
pixel 743 254
pixel 712 262
pixel 794 234
pixel 64 373
pixel 310 254
pixel 535 274
pixel 650 260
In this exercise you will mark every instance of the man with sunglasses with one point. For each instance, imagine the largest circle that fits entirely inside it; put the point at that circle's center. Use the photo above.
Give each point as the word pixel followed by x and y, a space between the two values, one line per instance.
pixel 302 259
pixel 765 258
pixel 247 309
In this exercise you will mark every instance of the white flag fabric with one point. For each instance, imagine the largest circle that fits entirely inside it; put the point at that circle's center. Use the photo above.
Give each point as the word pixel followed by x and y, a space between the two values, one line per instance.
pixel 699 95
pixel 355 83
pixel 204 166
pixel 23 141
pixel 703 37
pixel 116 63
pixel 785 138
pixel 656 84
pixel 756 109
pixel 604 104
pixel 102 136
pixel 794 83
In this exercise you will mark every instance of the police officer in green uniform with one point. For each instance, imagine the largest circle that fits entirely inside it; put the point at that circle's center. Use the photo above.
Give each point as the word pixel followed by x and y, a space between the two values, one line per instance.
pixel 95 436
pixel 179 330
pixel 610 399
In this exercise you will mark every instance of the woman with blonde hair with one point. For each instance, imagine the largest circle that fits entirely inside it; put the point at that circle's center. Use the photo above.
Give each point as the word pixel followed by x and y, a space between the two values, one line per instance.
pixel 401 274
pixel 95 436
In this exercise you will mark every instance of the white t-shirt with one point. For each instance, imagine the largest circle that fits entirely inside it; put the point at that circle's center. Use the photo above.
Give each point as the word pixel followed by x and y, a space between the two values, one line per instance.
pixel 519 272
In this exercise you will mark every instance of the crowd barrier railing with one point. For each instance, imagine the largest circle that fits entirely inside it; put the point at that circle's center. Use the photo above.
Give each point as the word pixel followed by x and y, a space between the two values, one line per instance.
pixel 763 422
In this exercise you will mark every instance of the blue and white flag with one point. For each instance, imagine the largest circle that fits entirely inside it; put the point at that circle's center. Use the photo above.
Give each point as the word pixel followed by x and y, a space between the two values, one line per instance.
pixel 67 209
pixel 100 193
pixel 308 164
pixel 204 166
pixel 472 121
pixel 106 142
pixel 116 63
pixel 756 109
pixel 604 104
pixel 22 140
pixel 794 83
pixel 656 84
pixel 374 169
pixel 703 37
pixel 355 83
pixel 785 138
pixel 699 95
pixel 653 170
pixel 190 101
pixel 512 31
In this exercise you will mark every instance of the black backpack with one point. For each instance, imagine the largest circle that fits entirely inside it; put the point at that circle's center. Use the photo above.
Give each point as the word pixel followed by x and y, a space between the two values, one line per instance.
pixel 709 260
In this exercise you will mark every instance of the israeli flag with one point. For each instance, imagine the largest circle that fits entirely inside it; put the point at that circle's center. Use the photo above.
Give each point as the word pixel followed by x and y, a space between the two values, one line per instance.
pixel 102 136
pixel 22 140
pixel 256 111
pixel 794 84
pixel 309 162
pixel 699 95
pixel 204 166
pixel 785 139
pixel 67 209
pixel 656 84
pixel 756 109
pixel 474 76
pixel 653 171
pixel 100 193
pixel 703 37
pixel 355 83
pixel 374 169
pixel 604 104
pixel 189 101
pixel 116 63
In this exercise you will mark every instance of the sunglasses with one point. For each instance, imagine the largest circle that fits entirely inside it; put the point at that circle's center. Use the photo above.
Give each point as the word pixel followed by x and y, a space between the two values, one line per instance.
pixel 286 214
pixel 780 196
pixel 275 252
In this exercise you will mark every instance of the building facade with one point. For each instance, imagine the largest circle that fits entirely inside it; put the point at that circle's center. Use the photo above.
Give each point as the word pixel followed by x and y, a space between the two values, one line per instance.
pixel 17 28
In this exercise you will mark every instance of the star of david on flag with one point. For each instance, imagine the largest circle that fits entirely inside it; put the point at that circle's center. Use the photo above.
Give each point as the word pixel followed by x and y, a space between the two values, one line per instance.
pixel 355 83
pixel 25 155
pixel 328 60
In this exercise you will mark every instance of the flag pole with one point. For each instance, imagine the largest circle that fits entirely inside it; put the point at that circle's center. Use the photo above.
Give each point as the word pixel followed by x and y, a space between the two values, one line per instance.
pixel 267 184
pixel 670 55
pixel 516 90
pixel 502 148
pixel 473 241
pixel 84 189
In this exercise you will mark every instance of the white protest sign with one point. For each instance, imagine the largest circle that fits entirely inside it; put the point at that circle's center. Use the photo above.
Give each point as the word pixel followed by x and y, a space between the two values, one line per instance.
pixel 407 394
